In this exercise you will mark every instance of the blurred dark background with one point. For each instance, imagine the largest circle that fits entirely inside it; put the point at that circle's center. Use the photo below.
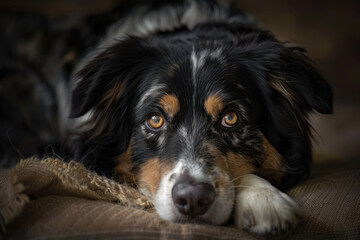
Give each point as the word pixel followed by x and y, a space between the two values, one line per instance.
pixel 329 30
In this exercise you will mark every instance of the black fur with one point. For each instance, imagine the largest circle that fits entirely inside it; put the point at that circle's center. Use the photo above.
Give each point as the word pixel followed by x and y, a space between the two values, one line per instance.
pixel 251 57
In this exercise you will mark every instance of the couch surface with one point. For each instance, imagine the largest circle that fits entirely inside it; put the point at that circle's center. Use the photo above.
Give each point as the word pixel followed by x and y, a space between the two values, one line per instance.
pixel 56 200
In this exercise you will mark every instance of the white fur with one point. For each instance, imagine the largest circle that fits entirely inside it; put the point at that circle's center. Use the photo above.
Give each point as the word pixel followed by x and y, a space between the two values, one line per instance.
pixel 154 91
pixel 235 141
pixel 261 208
pixel 144 21
pixel 196 64
pixel 218 212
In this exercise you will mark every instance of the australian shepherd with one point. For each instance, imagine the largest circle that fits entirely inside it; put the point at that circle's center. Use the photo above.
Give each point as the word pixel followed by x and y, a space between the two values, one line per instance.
pixel 203 111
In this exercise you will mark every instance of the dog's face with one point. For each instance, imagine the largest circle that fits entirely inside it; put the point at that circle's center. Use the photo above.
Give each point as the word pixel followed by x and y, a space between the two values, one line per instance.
pixel 194 134
pixel 186 121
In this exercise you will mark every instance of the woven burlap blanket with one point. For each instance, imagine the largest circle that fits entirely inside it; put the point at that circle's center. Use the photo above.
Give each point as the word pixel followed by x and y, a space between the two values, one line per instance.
pixel 35 178
pixel 52 199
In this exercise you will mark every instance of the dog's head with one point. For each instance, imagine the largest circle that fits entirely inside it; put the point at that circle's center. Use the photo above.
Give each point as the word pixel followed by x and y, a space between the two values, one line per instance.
pixel 186 117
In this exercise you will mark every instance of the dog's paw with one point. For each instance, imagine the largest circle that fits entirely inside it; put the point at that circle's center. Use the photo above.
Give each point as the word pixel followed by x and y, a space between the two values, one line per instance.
pixel 262 209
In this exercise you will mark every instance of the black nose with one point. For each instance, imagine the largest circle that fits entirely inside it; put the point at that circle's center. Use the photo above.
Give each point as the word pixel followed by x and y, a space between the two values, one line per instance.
pixel 191 198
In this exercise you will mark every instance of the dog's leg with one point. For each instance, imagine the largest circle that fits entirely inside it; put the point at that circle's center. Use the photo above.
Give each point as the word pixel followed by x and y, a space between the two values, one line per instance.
pixel 263 209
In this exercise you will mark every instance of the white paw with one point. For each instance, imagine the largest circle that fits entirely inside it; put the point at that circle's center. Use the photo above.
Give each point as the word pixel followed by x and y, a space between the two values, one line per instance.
pixel 263 209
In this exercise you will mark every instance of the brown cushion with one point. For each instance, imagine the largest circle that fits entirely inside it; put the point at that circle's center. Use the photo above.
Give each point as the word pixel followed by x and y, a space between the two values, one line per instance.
pixel 96 208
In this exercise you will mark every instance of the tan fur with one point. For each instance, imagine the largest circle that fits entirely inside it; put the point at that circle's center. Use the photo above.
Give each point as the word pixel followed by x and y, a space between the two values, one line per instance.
pixel 213 105
pixel 238 165
pixel 124 167
pixel 104 105
pixel 235 165
pixel 170 104
pixel 290 101
pixel 279 84
pixel 150 174
pixel 272 168
pixel 111 95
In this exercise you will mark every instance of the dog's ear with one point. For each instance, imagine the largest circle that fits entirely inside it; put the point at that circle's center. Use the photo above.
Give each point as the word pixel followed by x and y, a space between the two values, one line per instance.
pixel 285 68
pixel 106 87
pixel 103 78
pixel 294 88
pixel 290 87
pixel 293 75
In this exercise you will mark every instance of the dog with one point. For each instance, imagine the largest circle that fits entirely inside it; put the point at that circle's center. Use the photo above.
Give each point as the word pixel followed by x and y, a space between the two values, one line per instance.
pixel 203 111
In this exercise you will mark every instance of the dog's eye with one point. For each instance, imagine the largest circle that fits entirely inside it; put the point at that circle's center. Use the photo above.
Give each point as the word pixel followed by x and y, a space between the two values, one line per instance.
pixel 229 119
pixel 155 121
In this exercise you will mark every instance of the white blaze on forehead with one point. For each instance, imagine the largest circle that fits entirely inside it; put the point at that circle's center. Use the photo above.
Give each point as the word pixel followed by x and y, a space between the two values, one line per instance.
pixel 196 64
pixel 198 58
pixel 216 54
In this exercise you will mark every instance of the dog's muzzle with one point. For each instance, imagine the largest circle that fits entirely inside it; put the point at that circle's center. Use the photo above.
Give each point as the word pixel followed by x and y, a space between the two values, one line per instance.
pixel 192 198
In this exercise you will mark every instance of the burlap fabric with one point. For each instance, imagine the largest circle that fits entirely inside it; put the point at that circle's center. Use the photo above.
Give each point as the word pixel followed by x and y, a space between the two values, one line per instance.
pixel 51 199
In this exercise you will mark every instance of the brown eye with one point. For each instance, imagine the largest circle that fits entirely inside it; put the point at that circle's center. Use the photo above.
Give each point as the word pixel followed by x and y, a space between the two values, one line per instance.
pixel 155 121
pixel 229 119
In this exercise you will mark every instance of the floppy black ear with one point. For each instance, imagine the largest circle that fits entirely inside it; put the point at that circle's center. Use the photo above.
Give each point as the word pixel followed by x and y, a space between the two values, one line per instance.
pixel 106 87
pixel 106 71
pixel 290 88
pixel 298 78
pixel 293 72
pixel 295 88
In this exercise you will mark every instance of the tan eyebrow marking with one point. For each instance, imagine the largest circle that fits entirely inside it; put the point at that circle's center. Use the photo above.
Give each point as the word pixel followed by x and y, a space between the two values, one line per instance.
pixel 170 104
pixel 213 105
